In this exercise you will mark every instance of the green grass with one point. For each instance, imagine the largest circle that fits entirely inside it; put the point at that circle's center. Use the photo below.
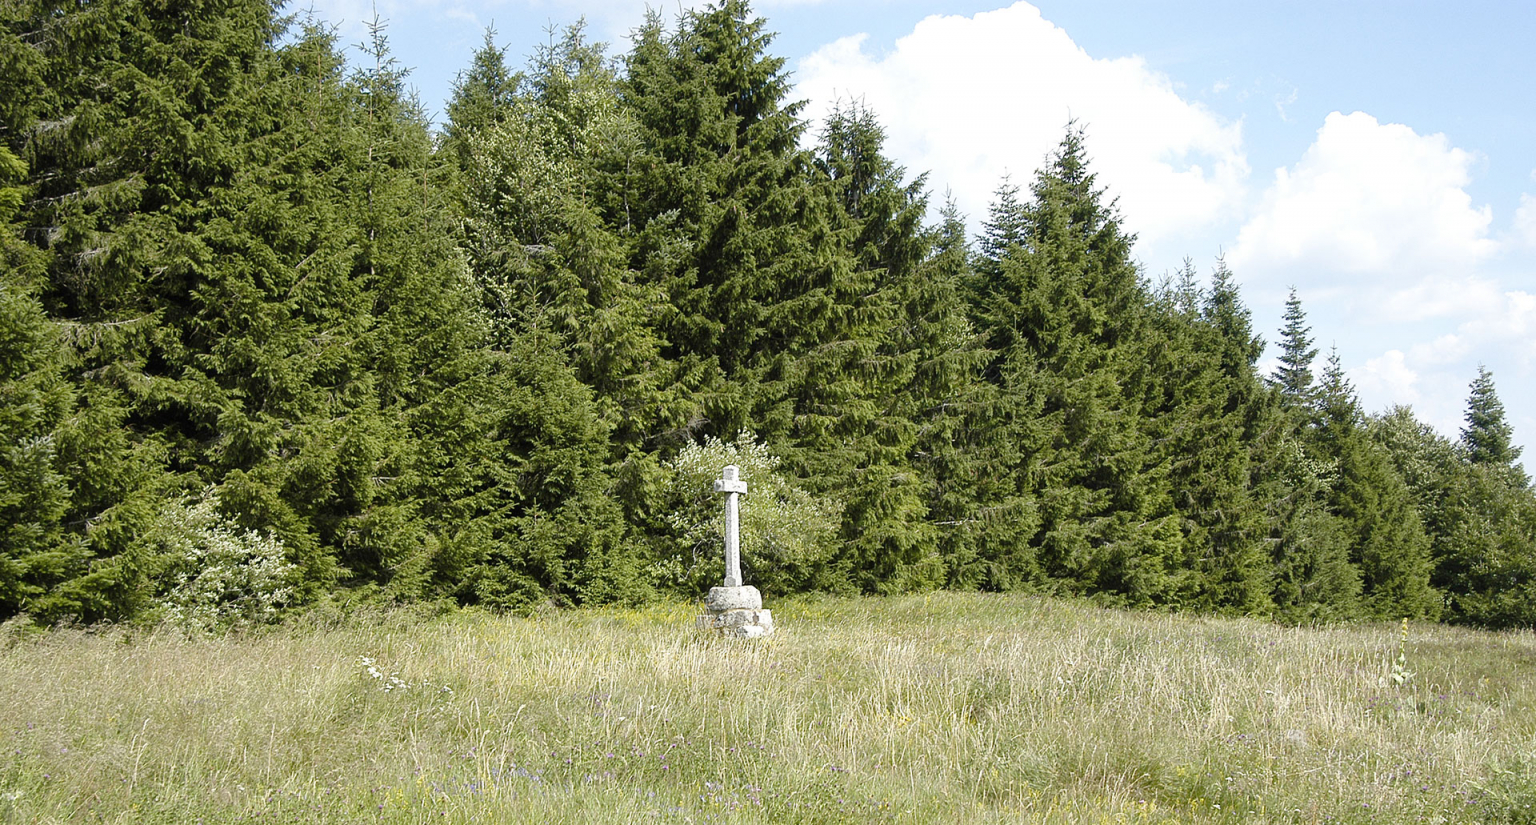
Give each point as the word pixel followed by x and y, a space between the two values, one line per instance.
pixel 939 708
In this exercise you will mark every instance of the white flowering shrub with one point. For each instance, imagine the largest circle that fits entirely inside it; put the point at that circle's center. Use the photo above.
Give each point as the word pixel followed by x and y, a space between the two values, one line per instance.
pixel 786 532
pixel 212 574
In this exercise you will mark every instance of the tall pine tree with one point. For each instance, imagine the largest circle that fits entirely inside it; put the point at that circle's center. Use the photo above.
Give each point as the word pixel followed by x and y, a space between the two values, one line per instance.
pixel 1388 545
pixel 1064 315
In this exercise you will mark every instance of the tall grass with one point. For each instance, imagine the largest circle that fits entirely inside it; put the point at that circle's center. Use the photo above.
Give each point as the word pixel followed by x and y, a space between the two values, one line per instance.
pixel 938 708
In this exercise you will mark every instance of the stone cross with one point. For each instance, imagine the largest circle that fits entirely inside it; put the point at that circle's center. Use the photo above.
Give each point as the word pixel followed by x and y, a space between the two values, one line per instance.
pixel 731 484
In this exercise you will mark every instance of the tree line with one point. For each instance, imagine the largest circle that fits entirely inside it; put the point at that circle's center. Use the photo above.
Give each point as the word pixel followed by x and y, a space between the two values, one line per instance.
pixel 268 339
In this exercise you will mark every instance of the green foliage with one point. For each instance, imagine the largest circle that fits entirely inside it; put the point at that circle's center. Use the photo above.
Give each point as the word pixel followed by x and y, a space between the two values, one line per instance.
pixel 787 534
pixel 984 517
pixel 12 171
pixel 1065 315
pixel 483 97
pixel 1205 413
pixel 920 354
pixel 1313 579
pixel 497 365
pixel 1487 438
pixel 1388 544
pixel 1293 375
pixel 1481 520
pixel 34 494
pixel 543 254
pixel 555 531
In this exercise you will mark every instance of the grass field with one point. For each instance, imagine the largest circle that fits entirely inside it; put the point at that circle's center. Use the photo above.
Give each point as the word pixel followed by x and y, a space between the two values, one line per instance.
pixel 939 708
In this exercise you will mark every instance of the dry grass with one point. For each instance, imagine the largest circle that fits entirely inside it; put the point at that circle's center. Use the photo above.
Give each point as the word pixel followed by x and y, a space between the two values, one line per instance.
pixel 940 708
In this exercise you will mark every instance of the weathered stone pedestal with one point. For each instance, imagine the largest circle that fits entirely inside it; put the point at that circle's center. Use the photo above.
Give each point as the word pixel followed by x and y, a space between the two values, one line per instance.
pixel 736 611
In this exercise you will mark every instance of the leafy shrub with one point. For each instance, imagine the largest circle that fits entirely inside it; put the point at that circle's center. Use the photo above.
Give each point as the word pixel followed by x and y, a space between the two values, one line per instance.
pixel 211 574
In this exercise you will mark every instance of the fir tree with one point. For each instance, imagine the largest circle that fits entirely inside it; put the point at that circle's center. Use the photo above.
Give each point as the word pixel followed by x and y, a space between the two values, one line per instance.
pixel 1487 438
pixel 143 105
pixel 886 512
pixel 1481 521
pixel 984 515
pixel 1388 545
pixel 1293 375
pixel 483 96
pixel 1006 223
pixel 543 240
pixel 34 403
pixel 1204 414
pixel 1064 317
pixel 1314 575
pixel 775 323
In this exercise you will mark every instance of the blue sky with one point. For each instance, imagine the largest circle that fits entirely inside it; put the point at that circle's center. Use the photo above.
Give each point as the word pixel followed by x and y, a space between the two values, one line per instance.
pixel 1378 156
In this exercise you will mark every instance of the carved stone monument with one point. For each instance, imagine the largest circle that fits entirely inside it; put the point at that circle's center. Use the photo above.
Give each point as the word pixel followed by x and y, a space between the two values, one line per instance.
pixel 734 609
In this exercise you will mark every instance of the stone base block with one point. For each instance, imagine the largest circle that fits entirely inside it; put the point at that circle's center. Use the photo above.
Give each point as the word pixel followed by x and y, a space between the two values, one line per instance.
pixel 741 623
pixel 721 599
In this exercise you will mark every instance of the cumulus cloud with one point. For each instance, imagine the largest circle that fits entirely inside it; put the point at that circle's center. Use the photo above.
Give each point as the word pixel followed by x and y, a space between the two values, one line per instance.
pixel 1509 325
pixel 1430 297
pixel 972 98
pixel 1376 220
pixel 1371 200
pixel 1525 221
pixel 1389 376
pixel 1445 349
pixel 1432 375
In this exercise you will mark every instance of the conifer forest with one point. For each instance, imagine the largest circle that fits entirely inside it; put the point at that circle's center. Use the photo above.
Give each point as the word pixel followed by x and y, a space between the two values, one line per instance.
pixel 269 339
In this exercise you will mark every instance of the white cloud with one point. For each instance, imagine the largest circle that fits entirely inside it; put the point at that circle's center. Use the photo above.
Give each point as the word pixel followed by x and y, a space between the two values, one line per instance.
pixel 1430 297
pixel 1508 326
pixel 972 98
pixel 1433 375
pixel 1371 200
pixel 1388 376
pixel 1446 349
pixel 1376 221
pixel 461 13
pixel 1525 220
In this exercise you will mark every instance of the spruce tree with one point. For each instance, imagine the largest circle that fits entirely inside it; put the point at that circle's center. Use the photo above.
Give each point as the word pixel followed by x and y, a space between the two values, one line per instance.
pixel 1388 545
pixel 1292 377
pixel 499 489
pixel 1065 319
pixel 775 323
pixel 1006 223
pixel 916 356
pixel 137 110
pixel 546 240
pixel 1486 564
pixel 551 271
pixel 256 281
pixel 1314 576
pixel 483 96
pixel 35 402
pixel 1205 413
pixel 1487 438
pixel 985 517
pixel 1481 520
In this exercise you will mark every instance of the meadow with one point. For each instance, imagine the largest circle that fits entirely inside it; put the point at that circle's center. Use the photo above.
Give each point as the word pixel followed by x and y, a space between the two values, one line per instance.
pixel 928 708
